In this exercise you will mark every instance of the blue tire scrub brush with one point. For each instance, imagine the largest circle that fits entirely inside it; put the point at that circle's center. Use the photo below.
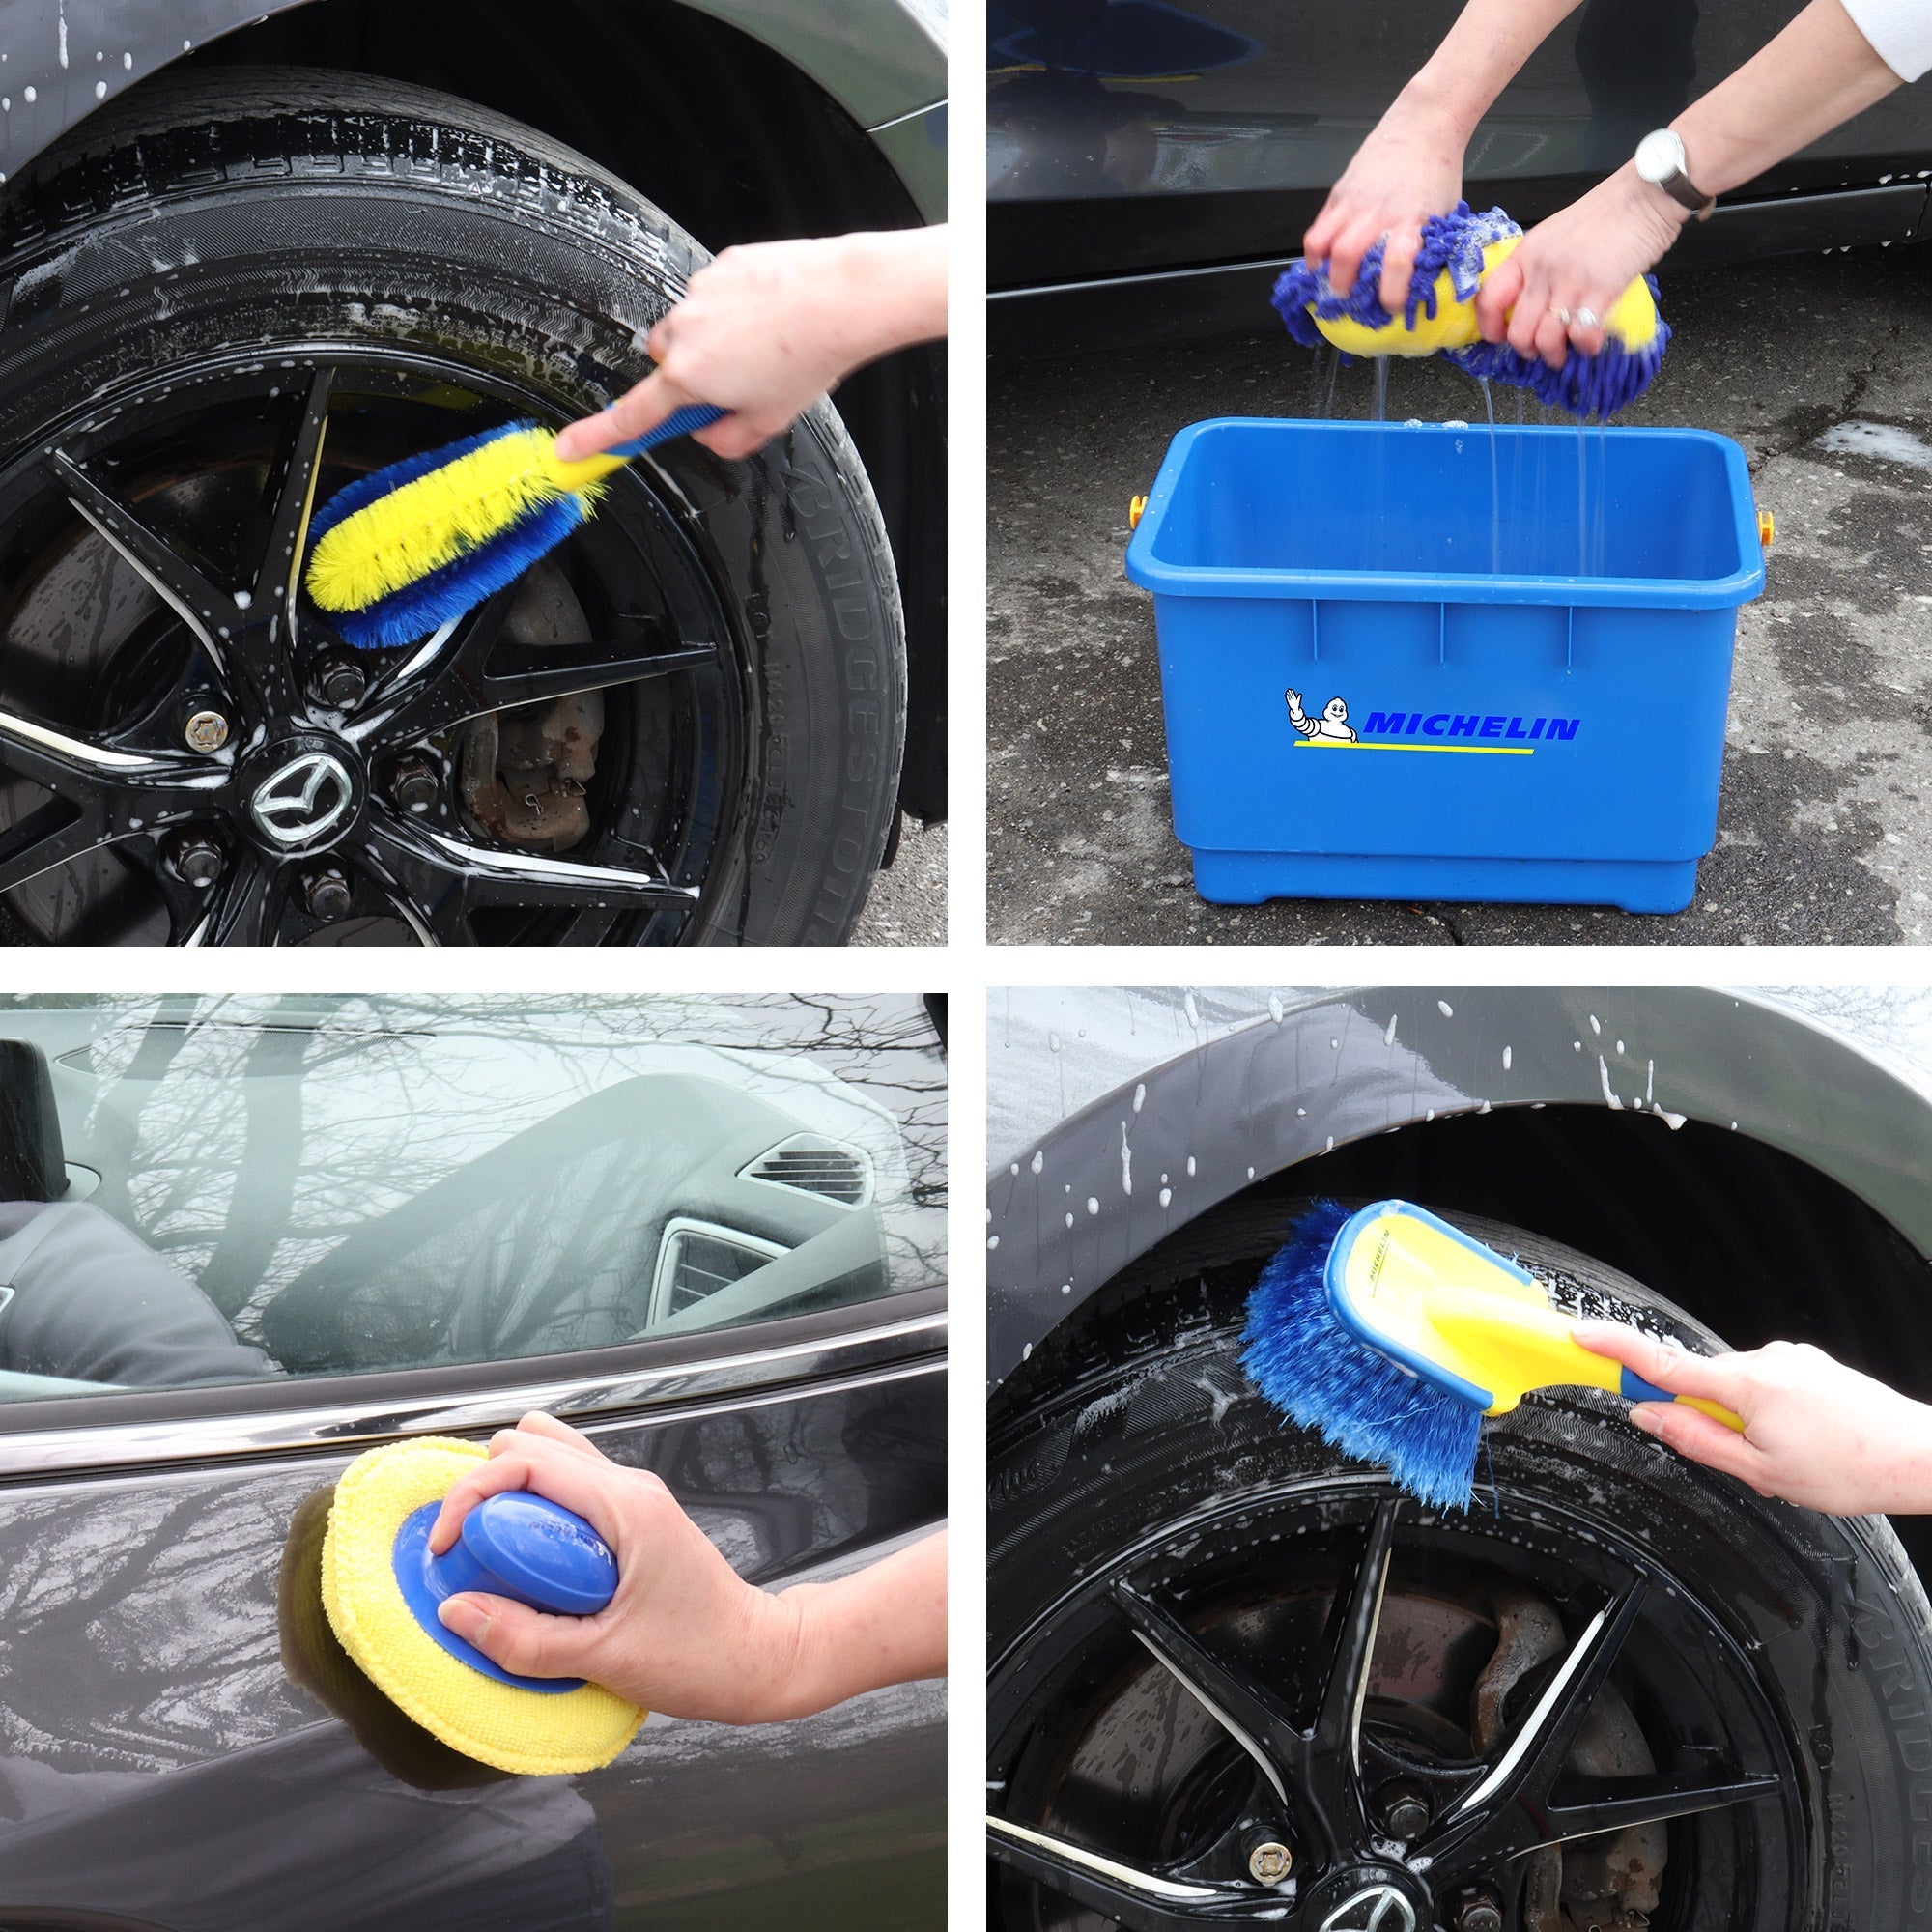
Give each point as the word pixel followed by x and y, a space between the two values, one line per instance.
pixel 1439 318
pixel 400 552
pixel 1392 1334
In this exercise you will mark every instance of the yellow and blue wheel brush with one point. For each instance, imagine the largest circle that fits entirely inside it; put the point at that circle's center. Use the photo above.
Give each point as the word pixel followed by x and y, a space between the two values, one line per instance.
pixel 404 551
pixel 380 1586
pixel 1439 318
pixel 1393 1334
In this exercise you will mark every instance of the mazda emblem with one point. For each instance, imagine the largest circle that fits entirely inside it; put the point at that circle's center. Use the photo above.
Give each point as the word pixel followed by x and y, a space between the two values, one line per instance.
pixel 305 801
pixel 1377 1908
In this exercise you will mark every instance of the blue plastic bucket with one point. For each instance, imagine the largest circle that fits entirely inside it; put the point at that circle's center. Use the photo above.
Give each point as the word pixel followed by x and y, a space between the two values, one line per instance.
pixel 1524 705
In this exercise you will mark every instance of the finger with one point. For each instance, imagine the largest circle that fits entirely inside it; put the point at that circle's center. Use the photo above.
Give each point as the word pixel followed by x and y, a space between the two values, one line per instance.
pixel 633 415
pixel 657 342
pixel 539 1422
pixel 516 1638
pixel 735 438
pixel 1666 1365
pixel 1500 293
pixel 1399 264
pixel 1344 258
pixel 1553 339
pixel 1588 338
pixel 1527 313
pixel 1321 232
pixel 1700 1440
pixel 529 1463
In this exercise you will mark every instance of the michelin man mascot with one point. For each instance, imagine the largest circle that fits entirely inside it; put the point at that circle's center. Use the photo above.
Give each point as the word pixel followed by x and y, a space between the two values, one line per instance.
pixel 1333 724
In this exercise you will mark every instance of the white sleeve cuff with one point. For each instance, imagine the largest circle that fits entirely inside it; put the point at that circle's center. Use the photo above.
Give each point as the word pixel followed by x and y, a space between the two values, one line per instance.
pixel 1900 33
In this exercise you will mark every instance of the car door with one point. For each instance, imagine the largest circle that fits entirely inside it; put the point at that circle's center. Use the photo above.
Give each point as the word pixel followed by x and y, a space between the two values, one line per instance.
pixel 422 1216
pixel 1127 136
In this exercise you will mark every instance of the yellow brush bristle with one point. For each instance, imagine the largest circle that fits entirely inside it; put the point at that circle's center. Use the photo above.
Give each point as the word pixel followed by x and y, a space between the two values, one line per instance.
pixel 530 1731
pixel 401 538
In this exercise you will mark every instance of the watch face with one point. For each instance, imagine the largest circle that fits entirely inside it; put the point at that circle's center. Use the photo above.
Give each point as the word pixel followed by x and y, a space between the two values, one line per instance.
pixel 1660 155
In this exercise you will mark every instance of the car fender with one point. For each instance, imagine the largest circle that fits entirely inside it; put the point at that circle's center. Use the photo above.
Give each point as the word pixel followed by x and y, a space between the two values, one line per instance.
pixel 1311 1071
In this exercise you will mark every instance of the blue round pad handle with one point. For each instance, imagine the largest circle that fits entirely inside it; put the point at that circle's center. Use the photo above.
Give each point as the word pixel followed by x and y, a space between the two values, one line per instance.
pixel 1637 1389
pixel 512 1544
pixel 680 422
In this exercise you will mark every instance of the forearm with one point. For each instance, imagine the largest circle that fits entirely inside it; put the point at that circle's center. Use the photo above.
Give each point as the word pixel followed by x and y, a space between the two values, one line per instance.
pixel 886 1624
pixel 899 279
pixel 1815 74
pixel 1479 55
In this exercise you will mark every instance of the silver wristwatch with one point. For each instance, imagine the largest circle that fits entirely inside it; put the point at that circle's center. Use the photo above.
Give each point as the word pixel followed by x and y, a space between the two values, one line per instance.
pixel 1660 160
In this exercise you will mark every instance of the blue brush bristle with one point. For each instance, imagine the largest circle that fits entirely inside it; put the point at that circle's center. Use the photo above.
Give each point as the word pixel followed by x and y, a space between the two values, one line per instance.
pixel 432 601
pixel 1298 1355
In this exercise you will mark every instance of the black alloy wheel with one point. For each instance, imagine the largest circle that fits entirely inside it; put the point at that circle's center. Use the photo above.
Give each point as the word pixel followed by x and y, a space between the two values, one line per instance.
pixel 1236 1680
pixel 682 727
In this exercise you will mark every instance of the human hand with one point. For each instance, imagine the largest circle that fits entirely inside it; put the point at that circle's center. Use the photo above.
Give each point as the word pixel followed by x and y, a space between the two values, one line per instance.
pixel 684 1635
pixel 1409 168
pixel 1817 1433
pixel 765 330
pixel 1575 264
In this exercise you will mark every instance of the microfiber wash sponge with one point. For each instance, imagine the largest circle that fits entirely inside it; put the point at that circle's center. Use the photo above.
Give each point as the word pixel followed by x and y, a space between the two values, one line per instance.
pixel 1439 318
pixel 380 1587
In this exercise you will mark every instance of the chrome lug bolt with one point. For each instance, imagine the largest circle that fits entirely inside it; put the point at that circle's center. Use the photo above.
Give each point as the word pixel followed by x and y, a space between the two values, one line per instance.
pixel 196 861
pixel 206 731
pixel 1268 1861
pixel 415 784
pixel 338 680
pixel 1479 1912
pixel 1402 1808
pixel 328 894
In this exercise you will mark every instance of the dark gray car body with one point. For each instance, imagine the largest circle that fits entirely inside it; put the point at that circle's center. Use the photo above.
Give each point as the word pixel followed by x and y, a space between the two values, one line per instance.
pixel 1130 1115
pixel 1153 167
pixel 158 1767
pixel 744 119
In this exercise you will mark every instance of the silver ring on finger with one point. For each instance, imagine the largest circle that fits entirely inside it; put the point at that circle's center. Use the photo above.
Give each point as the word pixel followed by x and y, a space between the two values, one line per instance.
pixel 1562 315
pixel 1586 318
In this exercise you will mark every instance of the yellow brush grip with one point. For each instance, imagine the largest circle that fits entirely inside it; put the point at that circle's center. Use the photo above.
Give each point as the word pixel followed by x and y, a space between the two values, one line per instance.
pixel 1510 1348
pixel 586 469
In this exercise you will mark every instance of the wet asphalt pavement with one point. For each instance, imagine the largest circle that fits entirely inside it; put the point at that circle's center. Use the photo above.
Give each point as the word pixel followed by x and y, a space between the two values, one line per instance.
pixel 907 903
pixel 1824 826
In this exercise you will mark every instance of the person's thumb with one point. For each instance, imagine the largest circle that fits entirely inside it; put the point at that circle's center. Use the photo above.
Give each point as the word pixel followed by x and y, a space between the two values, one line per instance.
pixel 517 1638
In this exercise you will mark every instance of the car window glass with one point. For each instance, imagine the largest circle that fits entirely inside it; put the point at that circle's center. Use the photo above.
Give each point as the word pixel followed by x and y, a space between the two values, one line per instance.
pixel 210 1190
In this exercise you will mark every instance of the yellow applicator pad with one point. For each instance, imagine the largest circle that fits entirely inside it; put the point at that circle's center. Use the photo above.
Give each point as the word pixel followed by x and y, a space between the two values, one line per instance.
pixel 518 1730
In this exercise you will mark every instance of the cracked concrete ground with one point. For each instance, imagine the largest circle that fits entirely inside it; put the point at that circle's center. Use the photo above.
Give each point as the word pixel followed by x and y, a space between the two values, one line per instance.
pixel 1824 826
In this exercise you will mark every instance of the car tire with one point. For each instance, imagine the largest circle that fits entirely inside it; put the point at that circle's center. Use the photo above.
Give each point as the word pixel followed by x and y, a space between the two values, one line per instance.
pixel 214 221
pixel 1131 1464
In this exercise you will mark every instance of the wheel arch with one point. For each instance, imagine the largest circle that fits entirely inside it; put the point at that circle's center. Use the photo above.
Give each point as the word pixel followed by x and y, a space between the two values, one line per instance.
pixel 1760 1169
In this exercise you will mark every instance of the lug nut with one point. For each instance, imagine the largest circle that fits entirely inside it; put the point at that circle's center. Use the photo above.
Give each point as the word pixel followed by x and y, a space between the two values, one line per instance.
pixel 415 785
pixel 1479 1912
pixel 338 680
pixel 197 861
pixel 329 895
pixel 1268 1861
pixel 1402 1808
pixel 206 731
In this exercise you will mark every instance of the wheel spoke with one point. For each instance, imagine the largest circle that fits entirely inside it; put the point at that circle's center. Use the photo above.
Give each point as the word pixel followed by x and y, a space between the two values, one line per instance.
pixel 446 878
pixel 48 836
pixel 204 609
pixel 1591 1804
pixel 146 786
pixel 433 692
pixel 1143 1901
pixel 1330 1772
pixel 282 557
pixel 1244 1708
pixel 1498 1815
pixel 246 904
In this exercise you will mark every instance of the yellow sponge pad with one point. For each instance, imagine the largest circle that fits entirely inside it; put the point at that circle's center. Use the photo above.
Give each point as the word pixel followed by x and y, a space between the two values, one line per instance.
pixel 529 1731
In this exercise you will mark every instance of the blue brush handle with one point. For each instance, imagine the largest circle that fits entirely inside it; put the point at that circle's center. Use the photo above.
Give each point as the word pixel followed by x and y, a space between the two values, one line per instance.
pixel 1637 1389
pixel 680 422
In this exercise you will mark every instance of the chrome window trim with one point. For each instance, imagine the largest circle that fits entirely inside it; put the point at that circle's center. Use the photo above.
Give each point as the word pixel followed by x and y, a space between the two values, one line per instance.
pixel 355 1426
